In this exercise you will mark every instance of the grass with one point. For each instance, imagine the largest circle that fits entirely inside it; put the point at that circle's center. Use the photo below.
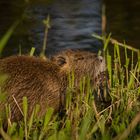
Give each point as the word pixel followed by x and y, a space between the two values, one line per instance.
pixel 84 118
pixel 5 38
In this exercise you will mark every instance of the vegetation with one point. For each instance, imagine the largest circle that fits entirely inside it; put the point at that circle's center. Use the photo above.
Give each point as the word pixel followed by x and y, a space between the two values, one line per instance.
pixel 84 118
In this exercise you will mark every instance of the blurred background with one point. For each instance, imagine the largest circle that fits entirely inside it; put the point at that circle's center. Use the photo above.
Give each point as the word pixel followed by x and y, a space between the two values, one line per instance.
pixel 72 23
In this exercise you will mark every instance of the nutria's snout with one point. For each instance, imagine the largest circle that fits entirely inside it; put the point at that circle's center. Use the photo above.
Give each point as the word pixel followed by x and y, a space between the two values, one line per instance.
pixel 100 66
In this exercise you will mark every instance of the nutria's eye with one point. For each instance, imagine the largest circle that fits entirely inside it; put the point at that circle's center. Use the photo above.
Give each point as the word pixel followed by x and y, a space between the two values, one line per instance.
pixel 61 61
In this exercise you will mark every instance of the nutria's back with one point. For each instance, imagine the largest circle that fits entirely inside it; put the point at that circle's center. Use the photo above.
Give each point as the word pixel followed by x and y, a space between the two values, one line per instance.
pixel 34 78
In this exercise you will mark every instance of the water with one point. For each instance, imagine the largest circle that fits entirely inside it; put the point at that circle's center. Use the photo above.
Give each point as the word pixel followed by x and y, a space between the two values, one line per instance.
pixel 123 20
pixel 72 24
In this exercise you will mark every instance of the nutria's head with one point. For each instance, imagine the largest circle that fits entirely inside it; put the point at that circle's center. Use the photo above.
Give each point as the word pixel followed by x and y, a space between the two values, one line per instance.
pixel 81 62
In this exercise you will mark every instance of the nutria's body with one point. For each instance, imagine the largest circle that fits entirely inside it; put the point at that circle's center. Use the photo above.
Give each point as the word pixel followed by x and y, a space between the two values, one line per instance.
pixel 33 77
pixel 45 82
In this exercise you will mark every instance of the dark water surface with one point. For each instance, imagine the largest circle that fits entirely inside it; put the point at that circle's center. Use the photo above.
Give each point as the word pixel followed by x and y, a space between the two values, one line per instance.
pixel 72 23
pixel 123 20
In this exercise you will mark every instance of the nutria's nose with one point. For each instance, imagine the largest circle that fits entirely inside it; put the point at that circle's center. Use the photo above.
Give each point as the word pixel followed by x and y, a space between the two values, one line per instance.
pixel 100 58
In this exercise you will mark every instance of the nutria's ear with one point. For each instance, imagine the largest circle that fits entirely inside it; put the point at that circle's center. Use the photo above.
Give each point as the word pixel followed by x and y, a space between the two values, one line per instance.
pixel 60 60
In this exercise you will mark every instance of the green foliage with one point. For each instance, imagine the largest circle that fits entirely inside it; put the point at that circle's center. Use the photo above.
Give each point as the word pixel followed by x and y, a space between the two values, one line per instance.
pixel 5 38
pixel 32 51
pixel 47 27
pixel 85 117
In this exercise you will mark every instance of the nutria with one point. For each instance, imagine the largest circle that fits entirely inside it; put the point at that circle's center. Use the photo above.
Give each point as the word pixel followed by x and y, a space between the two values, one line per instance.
pixel 37 79
pixel 44 82
pixel 82 63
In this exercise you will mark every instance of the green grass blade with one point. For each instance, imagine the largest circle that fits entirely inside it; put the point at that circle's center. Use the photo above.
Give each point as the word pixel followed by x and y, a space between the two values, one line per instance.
pixel 47 27
pixel 85 125
pixel 5 38
pixel 32 51
pixel 48 117
pixel 109 67
pixel 97 36
pixel 25 110
pixel 132 60
pixel 126 65
pixel 31 122
pixel 118 53
pixel 132 78
pixel 107 40
pixel 46 122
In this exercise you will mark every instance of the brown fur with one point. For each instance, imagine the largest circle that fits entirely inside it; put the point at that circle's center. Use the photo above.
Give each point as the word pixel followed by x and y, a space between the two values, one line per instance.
pixel 37 79
pixel 45 82
pixel 82 63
